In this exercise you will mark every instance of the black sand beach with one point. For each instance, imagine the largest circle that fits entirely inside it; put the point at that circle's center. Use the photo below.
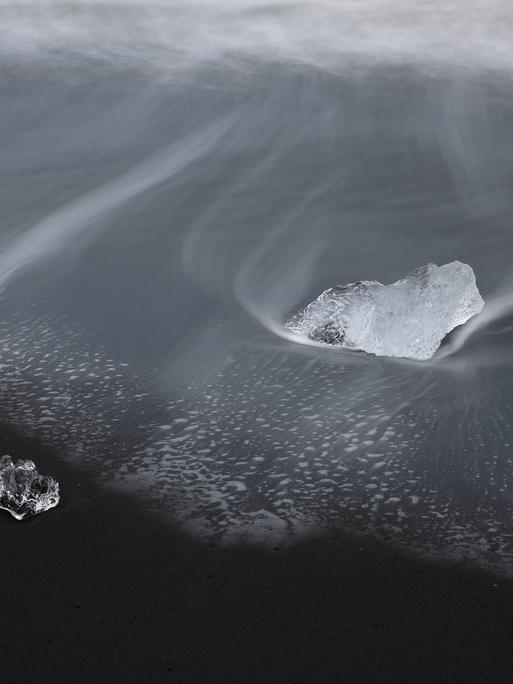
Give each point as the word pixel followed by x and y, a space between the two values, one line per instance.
pixel 176 180
pixel 97 591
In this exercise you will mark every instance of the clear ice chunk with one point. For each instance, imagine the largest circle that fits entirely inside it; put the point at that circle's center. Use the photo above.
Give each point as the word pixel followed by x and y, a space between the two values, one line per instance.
pixel 23 491
pixel 409 318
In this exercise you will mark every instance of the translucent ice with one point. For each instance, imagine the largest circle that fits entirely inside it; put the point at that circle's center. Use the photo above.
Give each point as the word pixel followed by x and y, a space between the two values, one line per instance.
pixel 408 318
pixel 23 491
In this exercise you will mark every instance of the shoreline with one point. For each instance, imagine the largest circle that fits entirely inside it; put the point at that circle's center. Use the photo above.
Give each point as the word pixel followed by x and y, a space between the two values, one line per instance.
pixel 98 588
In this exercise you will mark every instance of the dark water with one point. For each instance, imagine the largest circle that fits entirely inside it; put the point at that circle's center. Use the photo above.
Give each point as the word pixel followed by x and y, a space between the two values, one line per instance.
pixel 159 224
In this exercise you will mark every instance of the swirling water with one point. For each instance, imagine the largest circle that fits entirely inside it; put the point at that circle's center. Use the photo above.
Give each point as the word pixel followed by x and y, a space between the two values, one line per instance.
pixel 176 179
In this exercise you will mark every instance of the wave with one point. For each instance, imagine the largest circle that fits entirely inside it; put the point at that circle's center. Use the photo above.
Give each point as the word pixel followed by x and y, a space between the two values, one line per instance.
pixel 54 232
pixel 178 34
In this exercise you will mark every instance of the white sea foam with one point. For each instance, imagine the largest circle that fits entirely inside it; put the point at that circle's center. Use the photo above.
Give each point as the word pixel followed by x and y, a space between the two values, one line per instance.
pixel 182 33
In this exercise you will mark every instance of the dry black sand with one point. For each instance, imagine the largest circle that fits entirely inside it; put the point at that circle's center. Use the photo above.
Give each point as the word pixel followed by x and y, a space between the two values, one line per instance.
pixel 97 591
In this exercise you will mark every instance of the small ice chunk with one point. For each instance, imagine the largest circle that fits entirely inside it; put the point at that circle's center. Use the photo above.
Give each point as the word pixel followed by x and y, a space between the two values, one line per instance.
pixel 23 491
pixel 409 318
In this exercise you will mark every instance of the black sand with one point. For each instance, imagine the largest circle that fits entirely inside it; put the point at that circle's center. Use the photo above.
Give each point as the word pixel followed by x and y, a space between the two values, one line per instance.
pixel 97 591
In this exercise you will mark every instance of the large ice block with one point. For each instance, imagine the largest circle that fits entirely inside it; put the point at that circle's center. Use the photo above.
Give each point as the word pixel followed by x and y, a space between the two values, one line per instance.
pixel 408 318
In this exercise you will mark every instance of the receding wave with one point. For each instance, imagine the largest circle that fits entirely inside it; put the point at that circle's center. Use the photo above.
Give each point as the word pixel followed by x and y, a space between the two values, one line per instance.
pixel 178 34
pixel 178 178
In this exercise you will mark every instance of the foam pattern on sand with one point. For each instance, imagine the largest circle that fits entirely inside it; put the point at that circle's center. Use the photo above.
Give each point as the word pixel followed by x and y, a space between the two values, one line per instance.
pixel 279 446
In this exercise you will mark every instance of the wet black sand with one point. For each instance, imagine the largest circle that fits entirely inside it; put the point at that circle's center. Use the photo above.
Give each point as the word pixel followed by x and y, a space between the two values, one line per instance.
pixel 96 591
